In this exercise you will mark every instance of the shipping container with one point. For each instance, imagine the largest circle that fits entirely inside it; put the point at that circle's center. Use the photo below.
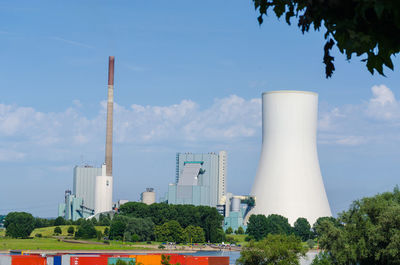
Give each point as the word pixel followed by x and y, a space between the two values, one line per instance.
pixel 148 259
pixel 218 260
pixel 57 260
pixel 5 260
pixel 192 260
pixel 176 258
pixel 113 260
pixel 66 259
pixel 28 260
pixel 88 260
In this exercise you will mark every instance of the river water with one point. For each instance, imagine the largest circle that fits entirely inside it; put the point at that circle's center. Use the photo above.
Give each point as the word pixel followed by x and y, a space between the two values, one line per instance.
pixel 234 255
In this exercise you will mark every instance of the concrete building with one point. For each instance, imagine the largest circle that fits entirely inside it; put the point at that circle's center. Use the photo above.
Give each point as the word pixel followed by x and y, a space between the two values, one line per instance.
pixel 148 197
pixel 200 179
pixel 288 180
pixel 93 186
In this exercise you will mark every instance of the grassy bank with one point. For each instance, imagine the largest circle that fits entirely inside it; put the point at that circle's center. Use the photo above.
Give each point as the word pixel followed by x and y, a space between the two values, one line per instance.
pixel 55 244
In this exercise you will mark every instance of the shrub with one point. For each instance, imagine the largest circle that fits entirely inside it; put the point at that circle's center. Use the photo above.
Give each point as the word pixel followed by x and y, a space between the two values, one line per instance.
pixel 71 230
pixel 57 230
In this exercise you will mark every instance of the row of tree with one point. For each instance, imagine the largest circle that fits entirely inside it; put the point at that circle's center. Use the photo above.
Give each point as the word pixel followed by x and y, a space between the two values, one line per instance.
pixel 205 217
pixel 259 226
pixel 143 229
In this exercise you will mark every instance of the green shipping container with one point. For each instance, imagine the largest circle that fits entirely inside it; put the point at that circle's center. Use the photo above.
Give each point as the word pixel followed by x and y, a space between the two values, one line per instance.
pixel 113 260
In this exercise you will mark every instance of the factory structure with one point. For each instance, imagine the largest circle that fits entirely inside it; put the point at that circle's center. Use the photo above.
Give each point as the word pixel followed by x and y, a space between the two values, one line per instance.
pixel 288 180
pixel 93 186
pixel 201 179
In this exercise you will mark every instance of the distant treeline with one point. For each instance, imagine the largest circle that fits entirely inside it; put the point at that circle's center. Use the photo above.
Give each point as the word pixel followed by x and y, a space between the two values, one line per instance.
pixel 166 217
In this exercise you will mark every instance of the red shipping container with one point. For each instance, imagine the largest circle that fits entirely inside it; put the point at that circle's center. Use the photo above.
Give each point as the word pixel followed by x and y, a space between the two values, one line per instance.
pixel 192 260
pixel 176 258
pixel 218 260
pixel 28 260
pixel 94 260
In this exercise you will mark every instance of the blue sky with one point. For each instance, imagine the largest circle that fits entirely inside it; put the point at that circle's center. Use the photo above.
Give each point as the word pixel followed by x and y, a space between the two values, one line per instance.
pixel 189 77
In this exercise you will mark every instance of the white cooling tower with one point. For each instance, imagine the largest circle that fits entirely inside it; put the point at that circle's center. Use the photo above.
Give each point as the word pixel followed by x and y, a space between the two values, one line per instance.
pixel 288 180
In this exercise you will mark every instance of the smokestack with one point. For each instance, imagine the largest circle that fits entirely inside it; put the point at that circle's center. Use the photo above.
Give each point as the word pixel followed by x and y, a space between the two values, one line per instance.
pixel 110 105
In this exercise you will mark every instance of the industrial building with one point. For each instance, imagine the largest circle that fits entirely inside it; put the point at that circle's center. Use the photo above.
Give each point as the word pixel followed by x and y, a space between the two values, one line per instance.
pixel 93 186
pixel 288 180
pixel 148 197
pixel 200 179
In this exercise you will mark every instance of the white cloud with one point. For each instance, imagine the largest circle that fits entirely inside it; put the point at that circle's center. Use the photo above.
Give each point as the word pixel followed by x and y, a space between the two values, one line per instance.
pixel 30 131
pixel 374 121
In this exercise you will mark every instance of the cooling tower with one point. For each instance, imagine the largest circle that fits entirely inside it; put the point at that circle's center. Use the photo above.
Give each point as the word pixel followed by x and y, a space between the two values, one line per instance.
pixel 288 180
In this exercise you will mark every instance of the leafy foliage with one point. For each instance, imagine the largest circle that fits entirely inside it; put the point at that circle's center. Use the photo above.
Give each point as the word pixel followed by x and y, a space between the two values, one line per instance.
pixel 370 233
pixel 59 221
pixel 257 226
pixel 57 230
pixel 317 224
pixel 302 228
pixel 368 28
pixel 229 231
pixel 206 217
pixel 86 230
pixel 169 232
pixel 322 258
pixel 240 231
pixel 71 230
pixel 274 249
pixel 19 224
pixel 194 234
pixel 131 229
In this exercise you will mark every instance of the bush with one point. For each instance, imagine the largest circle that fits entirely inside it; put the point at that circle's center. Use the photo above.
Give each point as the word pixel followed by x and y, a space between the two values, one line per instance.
pixel 248 238
pixel 240 231
pixel 86 230
pixel 59 221
pixel 19 224
pixel 161 246
pixel 310 243
pixel 57 230
pixel 274 249
pixel 229 231
pixel 38 235
pixel 230 239
pixel 71 230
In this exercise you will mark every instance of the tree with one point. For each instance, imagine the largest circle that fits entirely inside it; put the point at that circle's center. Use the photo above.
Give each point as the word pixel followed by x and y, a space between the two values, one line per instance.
pixel 240 231
pixel 322 258
pixel 319 221
pixel 57 230
pixel 117 227
pixel 59 221
pixel 257 226
pixel 86 230
pixel 104 220
pixel 229 231
pixel 274 249
pixel 277 224
pixel 170 231
pixel 19 224
pixel 141 228
pixel 370 233
pixel 302 228
pixel 194 234
pixel 71 230
pixel 364 28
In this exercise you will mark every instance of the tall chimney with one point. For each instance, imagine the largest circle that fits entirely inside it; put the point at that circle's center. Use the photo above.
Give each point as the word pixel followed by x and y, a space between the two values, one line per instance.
pixel 110 105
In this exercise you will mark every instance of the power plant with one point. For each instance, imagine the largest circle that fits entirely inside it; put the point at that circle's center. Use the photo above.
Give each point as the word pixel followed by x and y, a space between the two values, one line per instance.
pixel 288 180
pixel 93 186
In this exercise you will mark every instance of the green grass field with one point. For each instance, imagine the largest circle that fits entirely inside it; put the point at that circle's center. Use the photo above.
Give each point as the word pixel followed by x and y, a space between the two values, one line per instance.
pixel 47 242
pixel 49 231
pixel 54 244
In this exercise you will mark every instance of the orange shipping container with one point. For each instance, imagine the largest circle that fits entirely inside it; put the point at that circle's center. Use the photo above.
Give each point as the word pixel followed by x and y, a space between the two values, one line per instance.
pixel 28 260
pixel 148 259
